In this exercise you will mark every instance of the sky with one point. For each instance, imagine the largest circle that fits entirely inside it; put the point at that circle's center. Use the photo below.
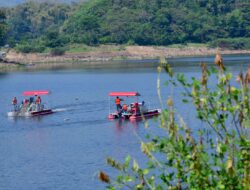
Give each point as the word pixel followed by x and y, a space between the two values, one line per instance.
pixel 7 3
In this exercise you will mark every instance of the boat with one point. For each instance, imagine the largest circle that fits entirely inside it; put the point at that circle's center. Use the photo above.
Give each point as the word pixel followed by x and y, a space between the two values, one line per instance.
pixel 134 111
pixel 29 106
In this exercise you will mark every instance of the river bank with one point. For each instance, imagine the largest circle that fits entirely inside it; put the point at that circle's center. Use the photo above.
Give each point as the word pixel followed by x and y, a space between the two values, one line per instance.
pixel 106 53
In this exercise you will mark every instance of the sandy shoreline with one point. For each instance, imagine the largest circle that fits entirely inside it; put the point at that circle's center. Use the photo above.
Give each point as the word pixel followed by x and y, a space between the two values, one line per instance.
pixel 37 61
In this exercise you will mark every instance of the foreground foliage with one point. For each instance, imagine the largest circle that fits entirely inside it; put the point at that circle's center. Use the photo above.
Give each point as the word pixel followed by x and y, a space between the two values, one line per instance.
pixel 215 157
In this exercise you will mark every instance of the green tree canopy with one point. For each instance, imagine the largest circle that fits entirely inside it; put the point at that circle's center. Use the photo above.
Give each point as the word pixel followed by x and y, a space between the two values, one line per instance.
pixel 157 22
pixel 143 22
pixel 3 27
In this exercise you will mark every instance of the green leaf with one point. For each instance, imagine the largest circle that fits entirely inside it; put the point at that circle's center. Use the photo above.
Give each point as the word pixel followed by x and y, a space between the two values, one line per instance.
pixel 185 101
pixel 127 160
pixel 145 171
pixel 135 166
pixel 221 186
pixel 128 179
pixel 166 83
pixel 181 79
pixel 229 76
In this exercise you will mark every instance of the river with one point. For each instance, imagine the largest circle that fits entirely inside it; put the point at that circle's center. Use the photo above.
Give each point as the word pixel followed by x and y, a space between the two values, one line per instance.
pixel 65 150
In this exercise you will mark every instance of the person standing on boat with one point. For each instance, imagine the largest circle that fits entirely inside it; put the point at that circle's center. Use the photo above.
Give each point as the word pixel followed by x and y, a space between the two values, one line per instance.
pixel 143 103
pixel 31 100
pixel 38 100
pixel 118 104
pixel 14 103
pixel 136 109
pixel 38 103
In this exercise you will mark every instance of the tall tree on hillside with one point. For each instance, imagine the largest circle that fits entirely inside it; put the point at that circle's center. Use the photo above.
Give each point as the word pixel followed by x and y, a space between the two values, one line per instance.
pixel 3 27
pixel 32 20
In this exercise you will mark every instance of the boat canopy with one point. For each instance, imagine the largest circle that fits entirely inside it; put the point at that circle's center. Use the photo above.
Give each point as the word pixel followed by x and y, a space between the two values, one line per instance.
pixel 124 94
pixel 36 92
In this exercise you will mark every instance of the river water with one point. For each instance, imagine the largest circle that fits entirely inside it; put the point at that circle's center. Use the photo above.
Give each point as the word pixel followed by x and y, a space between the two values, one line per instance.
pixel 65 150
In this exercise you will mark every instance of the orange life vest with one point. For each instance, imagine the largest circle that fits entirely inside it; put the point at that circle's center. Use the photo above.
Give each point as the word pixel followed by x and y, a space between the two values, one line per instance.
pixel 124 107
pixel 117 101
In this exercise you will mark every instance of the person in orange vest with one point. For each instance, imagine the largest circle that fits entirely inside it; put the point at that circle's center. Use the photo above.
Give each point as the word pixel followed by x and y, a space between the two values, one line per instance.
pixel 118 103
pixel 125 107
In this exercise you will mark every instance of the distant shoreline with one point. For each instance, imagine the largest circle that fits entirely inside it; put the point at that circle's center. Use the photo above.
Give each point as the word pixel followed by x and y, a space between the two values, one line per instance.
pixel 36 61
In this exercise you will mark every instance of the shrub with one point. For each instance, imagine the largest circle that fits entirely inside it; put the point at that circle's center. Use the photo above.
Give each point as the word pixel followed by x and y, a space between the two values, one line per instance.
pixel 58 51
pixel 219 158
pixel 31 47
pixel 231 43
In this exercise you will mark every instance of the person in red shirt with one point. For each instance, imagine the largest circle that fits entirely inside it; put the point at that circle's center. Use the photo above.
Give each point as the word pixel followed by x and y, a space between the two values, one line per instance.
pixel 38 103
pixel 137 110
pixel 38 100
pixel 14 101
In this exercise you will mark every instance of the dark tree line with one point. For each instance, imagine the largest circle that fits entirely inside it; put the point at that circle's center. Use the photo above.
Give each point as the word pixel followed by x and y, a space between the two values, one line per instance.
pixel 160 22
pixel 142 22
pixel 3 27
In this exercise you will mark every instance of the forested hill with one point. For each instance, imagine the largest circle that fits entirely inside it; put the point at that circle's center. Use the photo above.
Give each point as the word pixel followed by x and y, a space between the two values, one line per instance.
pixel 37 26
pixel 159 22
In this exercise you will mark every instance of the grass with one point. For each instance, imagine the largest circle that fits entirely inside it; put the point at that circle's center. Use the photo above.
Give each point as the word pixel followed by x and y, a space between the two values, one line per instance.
pixel 9 67
pixel 77 48
pixel 196 45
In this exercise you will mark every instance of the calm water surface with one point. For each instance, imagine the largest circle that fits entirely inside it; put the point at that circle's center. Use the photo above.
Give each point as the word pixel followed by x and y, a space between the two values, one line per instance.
pixel 65 150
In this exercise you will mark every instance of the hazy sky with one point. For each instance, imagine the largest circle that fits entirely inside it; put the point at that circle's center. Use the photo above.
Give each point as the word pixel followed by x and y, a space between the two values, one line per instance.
pixel 15 2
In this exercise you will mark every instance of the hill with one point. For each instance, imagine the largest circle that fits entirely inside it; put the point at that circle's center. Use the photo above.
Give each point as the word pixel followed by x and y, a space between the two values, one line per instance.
pixel 38 26
pixel 159 22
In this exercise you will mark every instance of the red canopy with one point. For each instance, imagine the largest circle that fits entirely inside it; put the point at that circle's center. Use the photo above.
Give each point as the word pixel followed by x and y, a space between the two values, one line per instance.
pixel 36 92
pixel 124 94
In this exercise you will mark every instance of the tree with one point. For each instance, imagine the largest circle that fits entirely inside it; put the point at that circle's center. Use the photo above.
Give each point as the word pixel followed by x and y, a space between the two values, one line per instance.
pixel 3 27
pixel 143 22
pixel 157 22
pixel 31 20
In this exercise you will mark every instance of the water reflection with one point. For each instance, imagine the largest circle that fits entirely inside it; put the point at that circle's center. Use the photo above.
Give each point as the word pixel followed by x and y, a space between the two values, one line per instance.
pixel 122 125
pixel 16 120
pixel 2 75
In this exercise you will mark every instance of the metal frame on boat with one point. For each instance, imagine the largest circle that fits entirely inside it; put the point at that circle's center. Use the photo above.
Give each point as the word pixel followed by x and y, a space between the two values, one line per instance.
pixel 135 111
pixel 31 108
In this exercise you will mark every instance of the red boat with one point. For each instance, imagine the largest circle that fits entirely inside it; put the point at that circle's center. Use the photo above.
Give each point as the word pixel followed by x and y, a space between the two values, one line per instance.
pixel 30 106
pixel 134 111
